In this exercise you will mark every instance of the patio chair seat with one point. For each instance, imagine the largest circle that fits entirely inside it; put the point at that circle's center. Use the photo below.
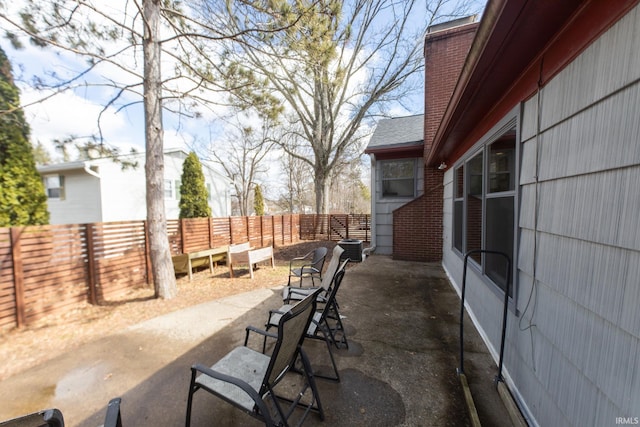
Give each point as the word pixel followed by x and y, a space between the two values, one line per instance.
pixel 243 363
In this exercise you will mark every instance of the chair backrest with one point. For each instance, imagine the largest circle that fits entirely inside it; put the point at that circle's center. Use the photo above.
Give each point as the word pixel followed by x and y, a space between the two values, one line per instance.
pixel 291 331
pixel 319 254
pixel 332 268
pixel 337 279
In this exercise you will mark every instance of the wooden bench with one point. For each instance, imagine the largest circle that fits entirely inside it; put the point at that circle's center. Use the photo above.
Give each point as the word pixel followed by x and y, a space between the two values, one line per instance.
pixel 243 254
pixel 184 263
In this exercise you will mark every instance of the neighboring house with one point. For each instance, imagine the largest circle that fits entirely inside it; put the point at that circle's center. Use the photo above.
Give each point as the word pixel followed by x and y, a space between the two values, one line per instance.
pixel 101 191
pixel 397 167
pixel 538 150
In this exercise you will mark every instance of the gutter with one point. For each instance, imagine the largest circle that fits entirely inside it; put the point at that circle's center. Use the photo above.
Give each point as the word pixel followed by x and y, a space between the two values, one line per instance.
pixel 87 169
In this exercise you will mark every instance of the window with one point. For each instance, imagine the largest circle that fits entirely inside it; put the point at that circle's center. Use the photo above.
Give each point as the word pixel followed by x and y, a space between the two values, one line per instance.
pixel 168 189
pixel 54 186
pixel 177 184
pixel 458 207
pixel 398 178
pixel 484 203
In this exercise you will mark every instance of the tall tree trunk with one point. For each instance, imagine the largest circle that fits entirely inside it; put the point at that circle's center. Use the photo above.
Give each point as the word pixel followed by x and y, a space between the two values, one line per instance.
pixel 164 279
pixel 321 187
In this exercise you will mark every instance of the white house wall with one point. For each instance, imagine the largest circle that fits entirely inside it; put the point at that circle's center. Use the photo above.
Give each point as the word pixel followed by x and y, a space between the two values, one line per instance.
pixel 81 203
pixel 220 192
pixel 573 353
pixel 120 195
pixel 173 172
pixel 123 192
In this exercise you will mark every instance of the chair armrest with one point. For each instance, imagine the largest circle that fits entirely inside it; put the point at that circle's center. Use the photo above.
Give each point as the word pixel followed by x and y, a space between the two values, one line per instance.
pixel 303 291
pixel 258 331
pixel 300 258
pixel 113 418
pixel 298 294
pixel 243 385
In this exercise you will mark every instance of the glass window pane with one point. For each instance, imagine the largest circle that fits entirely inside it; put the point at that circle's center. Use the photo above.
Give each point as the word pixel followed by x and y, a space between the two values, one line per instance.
pixel 502 163
pixel 474 206
pixel 54 186
pixel 499 237
pixel 459 182
pixel 457 224
pixel 398 169
pixel 168 190
pixel 398 188
pixel 398 178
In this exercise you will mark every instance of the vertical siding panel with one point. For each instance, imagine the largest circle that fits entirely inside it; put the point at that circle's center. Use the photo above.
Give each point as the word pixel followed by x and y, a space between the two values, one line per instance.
pixel 585 321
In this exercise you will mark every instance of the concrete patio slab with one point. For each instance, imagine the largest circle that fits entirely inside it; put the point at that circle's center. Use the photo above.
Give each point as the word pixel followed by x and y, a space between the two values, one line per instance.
pixel 401 320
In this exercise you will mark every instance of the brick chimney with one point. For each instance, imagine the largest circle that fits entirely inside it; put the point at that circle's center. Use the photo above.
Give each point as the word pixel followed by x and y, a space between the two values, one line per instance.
pixel 417 226
pixel 446 47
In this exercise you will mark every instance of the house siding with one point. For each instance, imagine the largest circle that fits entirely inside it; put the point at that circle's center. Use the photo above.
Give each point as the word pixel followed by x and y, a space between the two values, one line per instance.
pixel 123 192
pixel 120 195
pixel 81 202
pixel 572 355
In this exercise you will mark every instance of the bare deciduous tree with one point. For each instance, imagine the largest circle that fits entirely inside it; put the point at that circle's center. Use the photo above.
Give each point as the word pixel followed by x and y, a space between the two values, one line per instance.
pixel 115 38
pixel 331 69
pixel 242 157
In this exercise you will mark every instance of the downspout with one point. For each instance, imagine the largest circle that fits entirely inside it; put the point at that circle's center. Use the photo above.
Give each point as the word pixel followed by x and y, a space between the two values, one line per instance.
pixel 87 169
pixel 372 247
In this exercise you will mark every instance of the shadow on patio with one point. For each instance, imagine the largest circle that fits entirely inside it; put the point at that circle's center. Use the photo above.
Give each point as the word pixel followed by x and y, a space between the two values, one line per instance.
pixel 401 320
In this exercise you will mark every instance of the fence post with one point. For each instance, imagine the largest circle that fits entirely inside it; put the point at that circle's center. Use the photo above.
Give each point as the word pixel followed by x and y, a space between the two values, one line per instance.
pixel 93 292
pixel 210 221
pixel 18 275
pixel 183 239
pixel 230 231
pixel 147 252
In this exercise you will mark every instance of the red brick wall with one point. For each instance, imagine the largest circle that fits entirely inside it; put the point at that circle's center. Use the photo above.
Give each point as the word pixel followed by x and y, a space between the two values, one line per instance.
pixel 417 226
pixel 445 53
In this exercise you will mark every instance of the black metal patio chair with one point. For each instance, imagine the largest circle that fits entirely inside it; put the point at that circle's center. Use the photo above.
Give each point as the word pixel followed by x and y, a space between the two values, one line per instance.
pixel 308 266
pixel 296 293
pixel 326 324
pixel 249 379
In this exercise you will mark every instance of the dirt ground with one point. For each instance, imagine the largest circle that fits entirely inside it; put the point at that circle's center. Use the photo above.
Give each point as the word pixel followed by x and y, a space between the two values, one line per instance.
pixel 23 348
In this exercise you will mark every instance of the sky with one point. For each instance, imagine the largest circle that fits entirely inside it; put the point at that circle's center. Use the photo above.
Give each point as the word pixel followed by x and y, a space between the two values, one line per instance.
pixel 74 113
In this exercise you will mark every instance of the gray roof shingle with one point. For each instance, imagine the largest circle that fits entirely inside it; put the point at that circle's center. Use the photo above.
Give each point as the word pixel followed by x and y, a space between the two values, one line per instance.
pixel 398 131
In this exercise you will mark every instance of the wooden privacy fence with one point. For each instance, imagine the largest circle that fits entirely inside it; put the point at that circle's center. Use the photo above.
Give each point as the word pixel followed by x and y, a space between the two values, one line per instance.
pixel 51 269
pixel 335 227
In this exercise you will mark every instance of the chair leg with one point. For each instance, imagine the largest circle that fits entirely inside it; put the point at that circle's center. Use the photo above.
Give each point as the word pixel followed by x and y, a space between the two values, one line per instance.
pixel 328 341
pixel 192 389
pixel 338 328
pixel 312 383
